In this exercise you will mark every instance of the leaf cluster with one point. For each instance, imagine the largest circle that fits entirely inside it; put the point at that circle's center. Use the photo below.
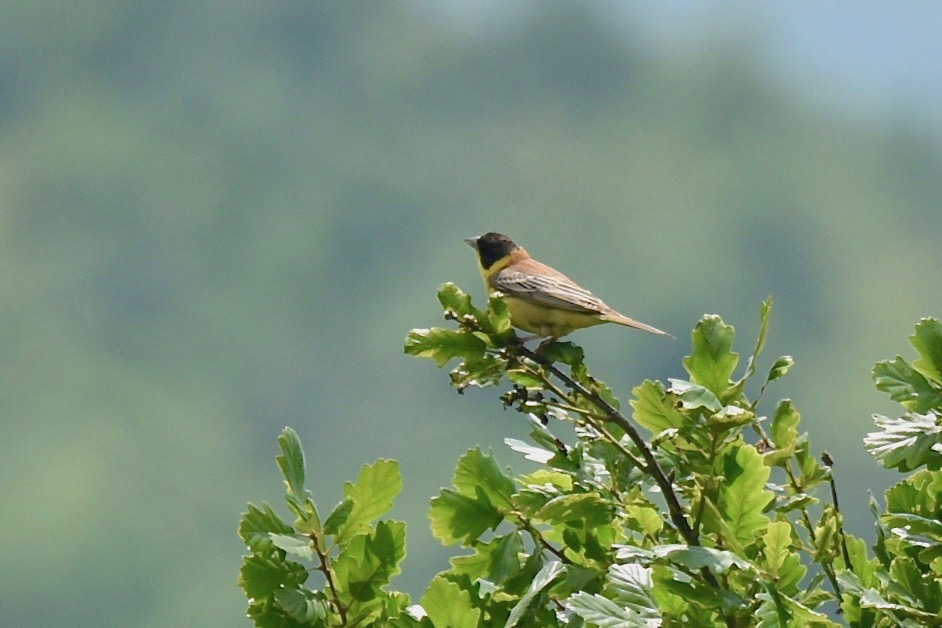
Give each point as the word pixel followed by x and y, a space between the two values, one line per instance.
pixel 354 555
pixel 903 585
pixel 692 508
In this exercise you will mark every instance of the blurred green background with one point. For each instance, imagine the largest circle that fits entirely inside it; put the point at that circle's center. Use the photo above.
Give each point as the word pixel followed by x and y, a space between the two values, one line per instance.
pixel 220 218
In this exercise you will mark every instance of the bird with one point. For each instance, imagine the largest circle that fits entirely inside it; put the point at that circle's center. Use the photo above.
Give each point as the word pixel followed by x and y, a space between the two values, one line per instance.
pixel 540 299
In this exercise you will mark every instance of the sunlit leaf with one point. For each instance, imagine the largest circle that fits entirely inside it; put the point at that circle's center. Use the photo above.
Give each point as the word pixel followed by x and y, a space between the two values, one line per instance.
pixel 743 495
pixel 587 507
pixel 631 587
pixel 446 604
pixel 494 560
pixel 477 471
pixel 908 442
pixel 712 362
pixel 456 517
pixel 530 452
pixel 601 611
pixel 654 409
pixel 368 561
pixel 372 496
pixel 442 345
pixel 785 425
pixel 777 541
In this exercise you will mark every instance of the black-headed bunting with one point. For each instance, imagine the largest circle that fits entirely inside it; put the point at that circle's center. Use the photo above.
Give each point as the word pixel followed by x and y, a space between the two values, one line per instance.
pixel 540 299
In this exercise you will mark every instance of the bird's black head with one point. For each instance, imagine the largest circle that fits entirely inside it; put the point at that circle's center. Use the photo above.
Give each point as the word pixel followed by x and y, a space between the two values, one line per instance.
pixel 492 247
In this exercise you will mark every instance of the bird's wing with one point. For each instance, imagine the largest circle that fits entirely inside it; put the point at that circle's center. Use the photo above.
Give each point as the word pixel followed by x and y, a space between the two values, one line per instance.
pixel 553 290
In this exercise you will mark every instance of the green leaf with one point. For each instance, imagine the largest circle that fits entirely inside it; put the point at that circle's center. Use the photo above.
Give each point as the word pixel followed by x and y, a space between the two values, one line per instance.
pixel 919 494
pixel 863 567
pixel 654 410
pixel 456 517
pixel 785 425
pixel 261 576
pixel 523 377
pixel 441 345
pixel 728 418
pixel 601 611
pixel 906 385
pixel 265 613
pixel 303 605
pixel 496 560
pixel 566 352
pixel 550 572
pixel 447 604
pixel 368 561
pixel 696 557
pixel 693 396
pixel 743 495
pixel 826 536
pixel 372 497
pixel 777 541
pixel 698 594
pixel 530 452
pixel 338 517
pixel 871 598
pixel 648 518
pixel 588 507
pixel 481 372
pixel 454 299
pixel 765 311
pixel 712 362
pixel 631 588
pixel 477 471
pixel 256 525
pixel 928 342
pixel 498 316
pixel 907 443
pixel 780 368
pixel 291 461
pixel 779 609
pixel 293 545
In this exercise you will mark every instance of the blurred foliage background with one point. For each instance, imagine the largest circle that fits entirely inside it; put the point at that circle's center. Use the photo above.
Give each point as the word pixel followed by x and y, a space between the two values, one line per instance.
pixel 220 218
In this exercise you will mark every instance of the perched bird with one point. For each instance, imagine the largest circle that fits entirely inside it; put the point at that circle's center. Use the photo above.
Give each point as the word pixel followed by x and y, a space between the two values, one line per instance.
pixel 540 299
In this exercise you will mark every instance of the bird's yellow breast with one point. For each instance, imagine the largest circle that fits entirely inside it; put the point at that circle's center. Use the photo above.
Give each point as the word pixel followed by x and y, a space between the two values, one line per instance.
pixel 547 321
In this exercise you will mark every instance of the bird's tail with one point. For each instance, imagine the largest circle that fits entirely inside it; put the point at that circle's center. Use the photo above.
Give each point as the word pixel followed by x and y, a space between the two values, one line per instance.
pixel 615 317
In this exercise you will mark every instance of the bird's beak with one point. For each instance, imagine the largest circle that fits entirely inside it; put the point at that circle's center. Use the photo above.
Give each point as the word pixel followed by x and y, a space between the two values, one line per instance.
pixel 472 242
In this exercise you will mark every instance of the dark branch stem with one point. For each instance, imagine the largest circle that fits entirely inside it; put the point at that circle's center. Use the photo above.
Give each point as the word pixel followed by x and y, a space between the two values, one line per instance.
pixel 328 574
pixel 651 465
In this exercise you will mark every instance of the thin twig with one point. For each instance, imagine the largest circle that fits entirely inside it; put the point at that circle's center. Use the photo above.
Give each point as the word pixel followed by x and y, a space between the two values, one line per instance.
pixel 829 463
pixel 806 520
